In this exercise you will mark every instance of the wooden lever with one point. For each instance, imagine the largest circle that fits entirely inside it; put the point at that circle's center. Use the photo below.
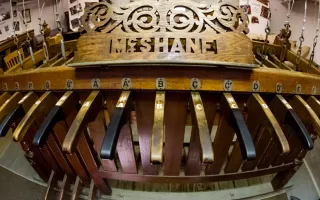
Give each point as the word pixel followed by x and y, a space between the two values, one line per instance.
pixel 314 104
pixel 231 112
pixel 305 112
pixel 286 115
pixel 118 119
pixel 199 118
pixel 158 128
pixel 4 97
pixel 17 112
pixel 56 114
pixel 88 112
pixel 257 105
pixel 38 110
pixel 9 105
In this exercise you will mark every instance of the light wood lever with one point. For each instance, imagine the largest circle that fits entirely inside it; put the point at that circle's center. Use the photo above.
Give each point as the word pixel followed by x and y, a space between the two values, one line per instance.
pixel 40 108
pixel 87 113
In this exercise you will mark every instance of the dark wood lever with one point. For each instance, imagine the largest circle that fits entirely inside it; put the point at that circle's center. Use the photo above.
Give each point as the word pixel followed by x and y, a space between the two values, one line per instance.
pixel 257 106
pixel 286 115
pixel 10 104
pixel 40 108
pixel 231 112
pixel 200 121
pixel 87 113
pixel 17 112
pixel 118 119
pixel 305 112
pixel 56 114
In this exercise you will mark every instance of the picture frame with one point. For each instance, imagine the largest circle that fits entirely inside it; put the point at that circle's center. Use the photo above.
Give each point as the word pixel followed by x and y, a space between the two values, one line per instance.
pixel 27 15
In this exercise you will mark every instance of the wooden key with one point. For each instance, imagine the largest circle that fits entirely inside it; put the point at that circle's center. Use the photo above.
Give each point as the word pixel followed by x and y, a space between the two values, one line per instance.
pixel 270 133
pixel 56 114
pixel 305 112
pixel 199 117
pixel 158 128
pixel 230 111
pixel 88 112
pixel 38 110
pixel 55 122
pixel 9 105
pixel 17 111
pixel 314 103
pixel 286 115
pixel 118 119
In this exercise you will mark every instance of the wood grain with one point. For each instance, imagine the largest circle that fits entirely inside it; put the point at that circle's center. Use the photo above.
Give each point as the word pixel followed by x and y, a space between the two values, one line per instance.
pixel 144 105
pixel 175 119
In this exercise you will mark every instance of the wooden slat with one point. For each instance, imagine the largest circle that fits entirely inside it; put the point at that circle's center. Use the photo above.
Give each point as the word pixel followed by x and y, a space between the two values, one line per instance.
pixel 221 145
pixel 85 154
pixel 97 132
pixel 175 118
pixel 126 151
pixel 193 164
pixel 60 131
pixel 235 160
pixel 144 102
pixel 262 142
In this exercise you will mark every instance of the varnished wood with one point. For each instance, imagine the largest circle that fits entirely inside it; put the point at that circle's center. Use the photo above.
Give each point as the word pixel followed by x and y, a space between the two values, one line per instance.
pixel 175 119
pixel 89 110
pixel 155 46
pixel 144 105
pixel 140 77
pixel 158 128
pixel 200 121
pixel 193 179
pixel 233 116
pixel 305 112
pixel 38 110
pixel 118 119
pixel 9 104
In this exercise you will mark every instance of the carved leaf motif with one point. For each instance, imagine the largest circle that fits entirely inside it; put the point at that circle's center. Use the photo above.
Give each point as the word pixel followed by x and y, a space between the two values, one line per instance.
pixel 164 16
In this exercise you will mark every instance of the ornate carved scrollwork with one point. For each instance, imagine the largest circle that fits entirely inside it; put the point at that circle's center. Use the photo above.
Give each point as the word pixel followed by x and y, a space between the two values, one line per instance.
pixel 183 16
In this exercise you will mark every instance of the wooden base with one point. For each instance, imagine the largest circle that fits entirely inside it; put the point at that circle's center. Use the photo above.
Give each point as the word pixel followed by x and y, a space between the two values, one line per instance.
pixel 192 179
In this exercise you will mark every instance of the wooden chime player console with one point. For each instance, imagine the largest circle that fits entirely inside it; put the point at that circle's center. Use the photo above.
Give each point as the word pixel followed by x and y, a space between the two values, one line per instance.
pixel 141 74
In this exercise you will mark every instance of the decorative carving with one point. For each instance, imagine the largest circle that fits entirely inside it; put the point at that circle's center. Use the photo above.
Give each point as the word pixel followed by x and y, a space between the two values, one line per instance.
pixel 165 16
pixel 164 32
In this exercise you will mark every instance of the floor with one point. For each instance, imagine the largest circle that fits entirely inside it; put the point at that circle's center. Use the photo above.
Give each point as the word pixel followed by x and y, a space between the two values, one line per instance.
pixel 31 187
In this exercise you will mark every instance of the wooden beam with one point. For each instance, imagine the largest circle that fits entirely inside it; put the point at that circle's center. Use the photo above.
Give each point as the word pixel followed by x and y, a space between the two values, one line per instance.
pixel 304 64
pixel 192 179
pixel 212 80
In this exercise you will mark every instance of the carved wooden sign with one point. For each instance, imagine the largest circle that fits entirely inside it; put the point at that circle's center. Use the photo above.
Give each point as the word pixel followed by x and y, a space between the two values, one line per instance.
pixel 164 32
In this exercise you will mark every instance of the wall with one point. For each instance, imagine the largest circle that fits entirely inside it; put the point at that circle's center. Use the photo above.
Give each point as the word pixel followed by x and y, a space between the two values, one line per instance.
pixel 278 18
pixel 47 15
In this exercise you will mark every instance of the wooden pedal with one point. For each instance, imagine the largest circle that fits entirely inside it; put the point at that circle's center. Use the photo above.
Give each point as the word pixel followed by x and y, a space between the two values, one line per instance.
pixel 200 121
pixel 158 128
